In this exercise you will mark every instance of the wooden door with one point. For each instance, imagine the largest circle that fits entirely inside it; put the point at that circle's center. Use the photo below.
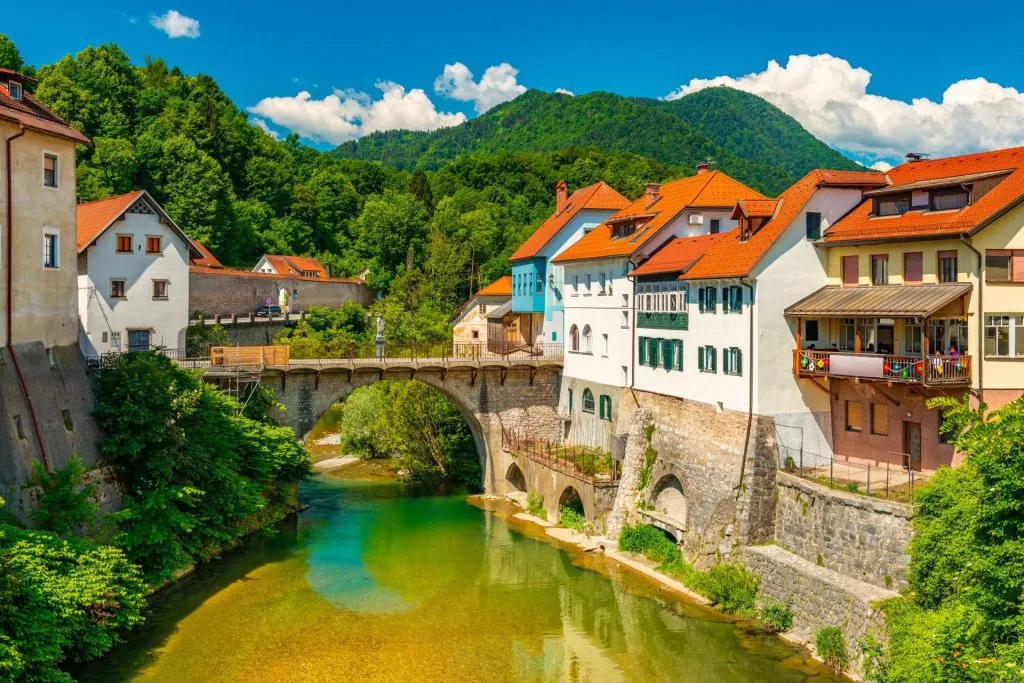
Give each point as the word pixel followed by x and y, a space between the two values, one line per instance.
pixel 912 445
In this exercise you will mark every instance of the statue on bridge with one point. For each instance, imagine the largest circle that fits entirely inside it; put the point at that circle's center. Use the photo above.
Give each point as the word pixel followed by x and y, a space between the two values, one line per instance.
pixel 380 337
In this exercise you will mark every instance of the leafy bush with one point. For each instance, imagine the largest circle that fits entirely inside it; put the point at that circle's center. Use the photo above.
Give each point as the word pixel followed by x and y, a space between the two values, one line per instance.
pixel 831 646
pixel 535 505
pixel 571 518
pixel 67 504
pixel 732 587
pixel 650 542
pixel 774 616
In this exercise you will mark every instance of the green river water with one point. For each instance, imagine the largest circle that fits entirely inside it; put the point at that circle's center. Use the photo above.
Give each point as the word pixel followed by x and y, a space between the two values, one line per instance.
pixel 373 582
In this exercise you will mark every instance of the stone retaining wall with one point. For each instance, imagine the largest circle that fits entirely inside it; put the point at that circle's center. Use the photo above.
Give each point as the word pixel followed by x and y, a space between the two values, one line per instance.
pixel 857 536
pixel 219 292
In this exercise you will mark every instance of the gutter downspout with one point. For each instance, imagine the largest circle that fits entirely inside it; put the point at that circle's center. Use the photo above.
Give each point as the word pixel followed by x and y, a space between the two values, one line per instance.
pixel 632 332
pixel 10 300
pixel 981 316
pixel 750 388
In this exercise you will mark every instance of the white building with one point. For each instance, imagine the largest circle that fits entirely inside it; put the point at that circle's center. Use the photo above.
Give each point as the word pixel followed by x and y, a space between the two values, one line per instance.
pixel 297 266
pixel 599 304
pixel 726 342
pixel 132 275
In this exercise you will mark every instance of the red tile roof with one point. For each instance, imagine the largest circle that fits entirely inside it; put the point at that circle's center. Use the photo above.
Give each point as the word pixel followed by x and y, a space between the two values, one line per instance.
pixel 231 272
pixel 500 287
pixel 713 190
pixel 677 255
pixel 30 112
pixel 95 217
pixel 861 226
pixel 597 196
pixel 295 265
pixel 207 259
pixel 729 257
pixel 755 208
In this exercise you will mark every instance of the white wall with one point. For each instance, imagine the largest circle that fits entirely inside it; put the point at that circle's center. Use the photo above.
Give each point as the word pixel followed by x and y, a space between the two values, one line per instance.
pixel 608 314
pixel 98 313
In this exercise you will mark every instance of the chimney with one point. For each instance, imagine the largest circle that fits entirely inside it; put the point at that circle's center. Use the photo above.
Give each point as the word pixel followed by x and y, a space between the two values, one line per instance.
pixel 561 195
pixel 653 190
pixel 703 167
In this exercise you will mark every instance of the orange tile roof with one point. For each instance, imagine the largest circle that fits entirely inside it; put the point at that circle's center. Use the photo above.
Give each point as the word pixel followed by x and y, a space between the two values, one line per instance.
pixel 96 216
pixel 30 112
pixel 295 265
pixel 500 287
pixel 759 208
pixel 207 259
pixel 597 196
pixel 677 255
pixel 729 257
pixel 861 226
pixel 702 191
pixel 830 178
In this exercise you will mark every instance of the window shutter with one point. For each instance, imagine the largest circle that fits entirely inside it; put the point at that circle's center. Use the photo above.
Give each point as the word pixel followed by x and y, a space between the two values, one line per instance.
pixel 652 352
pixel 726 301
pixel 643 350
pixel 1017 266
pixel 713 353
pixel 912 268
pixel 851 271
pixel 666 354
pixel 678 346
pixel 700 358
pixel 702 297
pixel 738 362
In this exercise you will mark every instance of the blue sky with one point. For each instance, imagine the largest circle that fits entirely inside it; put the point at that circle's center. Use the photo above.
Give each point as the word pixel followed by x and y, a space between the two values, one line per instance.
pixel 259 49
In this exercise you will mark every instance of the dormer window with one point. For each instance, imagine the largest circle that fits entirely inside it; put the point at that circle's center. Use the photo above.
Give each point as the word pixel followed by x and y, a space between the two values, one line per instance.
pixel 892 206
pixel 623 229
pixel 14 88
pixel 949 199
pixel 744 227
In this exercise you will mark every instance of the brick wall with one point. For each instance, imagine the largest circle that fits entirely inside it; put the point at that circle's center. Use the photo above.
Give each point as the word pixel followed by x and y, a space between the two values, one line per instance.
pixel 230 292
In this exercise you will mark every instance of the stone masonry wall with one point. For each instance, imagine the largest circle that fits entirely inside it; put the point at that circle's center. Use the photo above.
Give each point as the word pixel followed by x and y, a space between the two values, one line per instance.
pixel 856 536
pixel 228 292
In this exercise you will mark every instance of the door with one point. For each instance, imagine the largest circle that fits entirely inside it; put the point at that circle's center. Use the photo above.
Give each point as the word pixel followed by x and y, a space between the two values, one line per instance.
pixel 885 339
pixel 138 340
pixel 912 445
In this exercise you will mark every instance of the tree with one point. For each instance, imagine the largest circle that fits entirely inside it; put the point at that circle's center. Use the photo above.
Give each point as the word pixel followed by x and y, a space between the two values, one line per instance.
pixel 67 504
pixel 390 225
pixel 419 187
pixel 10 57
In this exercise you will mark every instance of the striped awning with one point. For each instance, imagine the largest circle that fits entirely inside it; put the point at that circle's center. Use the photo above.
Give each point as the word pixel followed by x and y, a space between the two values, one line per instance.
pixel 883 301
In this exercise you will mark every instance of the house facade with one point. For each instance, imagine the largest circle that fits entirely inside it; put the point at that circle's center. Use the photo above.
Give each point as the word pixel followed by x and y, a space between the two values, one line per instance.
pixel 538 284
pixel 290 266
pixel 599 302
pixel 133 275
pixel 483 319
pixel 37 219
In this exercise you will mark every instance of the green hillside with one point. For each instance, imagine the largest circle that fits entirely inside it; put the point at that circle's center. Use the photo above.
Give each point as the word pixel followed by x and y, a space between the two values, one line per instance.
pixel 746 136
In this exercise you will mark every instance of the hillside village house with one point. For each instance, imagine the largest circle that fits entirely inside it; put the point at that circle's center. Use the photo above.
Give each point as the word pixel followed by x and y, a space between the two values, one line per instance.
pixel 37 219
pixel 472 324
pixel 299 266
pixel 538 283
pixel 599 302
pixel 133 276
pixel 923 299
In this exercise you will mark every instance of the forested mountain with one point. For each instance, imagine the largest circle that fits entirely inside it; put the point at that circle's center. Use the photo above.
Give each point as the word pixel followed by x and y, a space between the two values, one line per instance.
pixel 746 136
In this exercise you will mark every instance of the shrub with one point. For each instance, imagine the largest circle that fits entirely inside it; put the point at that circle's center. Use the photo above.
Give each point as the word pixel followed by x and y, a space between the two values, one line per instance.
pixel 831 646
pixel 732 587
pixel 67 504
pixel 650 542
pixel 535 505
pixel 774 616
pixel 571 518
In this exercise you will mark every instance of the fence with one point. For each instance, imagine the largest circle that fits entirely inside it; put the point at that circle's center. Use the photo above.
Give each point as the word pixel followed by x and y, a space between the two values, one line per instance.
pixel 881 480
pixel 418 352
pixel 249 355
pixel 589 464
pixel 895 368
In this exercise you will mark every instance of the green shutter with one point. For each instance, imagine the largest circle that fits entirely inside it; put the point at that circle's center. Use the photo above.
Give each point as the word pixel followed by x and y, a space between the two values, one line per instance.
pixel 727 361
pixel 666 354
pixel 701 364
pixel 726 300
pixel 713 357
pixel 570 401
pixel 712 298
pixel 643 350
pixel 652 352
pixel 702 299
pixel 738 362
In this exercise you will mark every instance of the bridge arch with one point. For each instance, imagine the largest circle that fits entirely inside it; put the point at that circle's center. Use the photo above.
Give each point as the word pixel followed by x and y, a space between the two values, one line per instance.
pixel 514 479
pixel 571 498
pixel 668 498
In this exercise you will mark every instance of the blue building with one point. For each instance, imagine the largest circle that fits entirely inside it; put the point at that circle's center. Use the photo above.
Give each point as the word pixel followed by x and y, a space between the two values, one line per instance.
pixel 537 283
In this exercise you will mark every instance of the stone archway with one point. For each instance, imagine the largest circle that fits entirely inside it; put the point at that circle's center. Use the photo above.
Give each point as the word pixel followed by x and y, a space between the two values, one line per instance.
pixel 515 481
pixel 572 499
pixel 668 499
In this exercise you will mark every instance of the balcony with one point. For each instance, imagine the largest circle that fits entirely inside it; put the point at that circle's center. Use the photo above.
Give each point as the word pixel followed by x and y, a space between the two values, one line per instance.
pixel 662 321
pixel 943 371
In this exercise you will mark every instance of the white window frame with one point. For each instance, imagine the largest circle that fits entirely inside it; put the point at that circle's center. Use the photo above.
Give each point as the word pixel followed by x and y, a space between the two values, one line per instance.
pixel 167 288
pixel 51 232
pixel 110 288
pixel 56 170
pixel 1014 326
pixel 11 85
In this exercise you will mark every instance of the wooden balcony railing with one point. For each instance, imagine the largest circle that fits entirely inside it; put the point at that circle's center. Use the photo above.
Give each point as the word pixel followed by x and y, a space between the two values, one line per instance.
pixel 907 369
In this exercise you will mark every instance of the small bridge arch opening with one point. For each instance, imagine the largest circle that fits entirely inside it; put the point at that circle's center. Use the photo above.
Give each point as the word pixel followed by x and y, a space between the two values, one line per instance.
pixel 514 479
pixel 669 500
pixel 571 498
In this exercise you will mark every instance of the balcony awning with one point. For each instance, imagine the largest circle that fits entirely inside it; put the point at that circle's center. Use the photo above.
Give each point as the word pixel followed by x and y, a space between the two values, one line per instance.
pixel 501 311
pixel 883 301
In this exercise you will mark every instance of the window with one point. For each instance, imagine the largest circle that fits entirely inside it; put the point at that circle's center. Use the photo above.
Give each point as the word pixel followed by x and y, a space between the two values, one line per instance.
pixel 811 331
pixel 51 250
pixel 554 336
pixel 575 285
pixel 606 407
pixel 117 289
pixel 476 334
pixel 732 361
pixel 570 401
pixel 912 331
pixel 1004 336
pixel 847 334
pixel 880 269
pixel 159 289
pixel 853 422
pixel 851 271
pixel 625 320
pixel 482 309
pixel 813 225
pixel 115 340
pixel 603 283
pixel 668 360
pixel 677 353
pixel 588 283
pixel 880 418
pixel 588 401
pixel 153 245
pixel 716 226
pixel 1002 265
pixel 892 206
pixel 14 88
pixel 732 299
pixel 652 352
pixel 913 267
pixel 708 299
pixel 947 266
pixel 641 350
pixel 588 340
pixel 707 359
pixel 124 244
pixel 51 170
pixel 604 339
pixel 574 338
pixel 945 200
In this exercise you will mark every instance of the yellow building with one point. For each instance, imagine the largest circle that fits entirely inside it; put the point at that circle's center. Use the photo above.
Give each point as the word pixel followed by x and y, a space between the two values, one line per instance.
pixel 480 320
pixel 924 299
pixel 38 269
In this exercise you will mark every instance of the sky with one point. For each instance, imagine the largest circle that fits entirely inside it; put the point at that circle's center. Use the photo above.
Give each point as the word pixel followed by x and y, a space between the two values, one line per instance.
pixel 917 77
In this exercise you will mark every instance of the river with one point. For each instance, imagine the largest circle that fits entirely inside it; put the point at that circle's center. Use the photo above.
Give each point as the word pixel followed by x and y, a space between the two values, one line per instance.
pixel 374 582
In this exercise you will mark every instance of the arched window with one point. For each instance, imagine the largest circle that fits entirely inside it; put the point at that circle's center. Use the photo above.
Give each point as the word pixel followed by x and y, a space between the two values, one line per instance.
pixel 574 338
pixel 588 340
pixel 588 401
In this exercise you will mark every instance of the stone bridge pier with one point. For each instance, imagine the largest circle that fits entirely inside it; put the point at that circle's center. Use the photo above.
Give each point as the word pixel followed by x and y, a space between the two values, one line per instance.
pixel 517 397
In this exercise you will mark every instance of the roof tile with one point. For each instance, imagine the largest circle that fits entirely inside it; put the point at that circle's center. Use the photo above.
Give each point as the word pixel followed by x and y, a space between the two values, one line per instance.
pixel 94 217
pixel 597 196
pixel 500 287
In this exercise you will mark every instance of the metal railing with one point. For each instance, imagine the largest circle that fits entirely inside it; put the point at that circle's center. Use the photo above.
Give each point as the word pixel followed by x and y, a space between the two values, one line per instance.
pixel 890 367
pixel 470 352
pixel 586 463
pixel 887 480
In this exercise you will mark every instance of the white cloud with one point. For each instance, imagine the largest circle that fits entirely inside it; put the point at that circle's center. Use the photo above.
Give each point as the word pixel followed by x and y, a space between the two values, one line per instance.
pixel 349 114
pixel 563 91
pixel 262 125
pixel 830 97
pixel 176 25
pixel 497 85
pixel 882 166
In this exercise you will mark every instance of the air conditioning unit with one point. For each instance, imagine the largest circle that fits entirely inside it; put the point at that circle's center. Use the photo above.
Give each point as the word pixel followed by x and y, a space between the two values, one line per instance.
pixel 696 219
